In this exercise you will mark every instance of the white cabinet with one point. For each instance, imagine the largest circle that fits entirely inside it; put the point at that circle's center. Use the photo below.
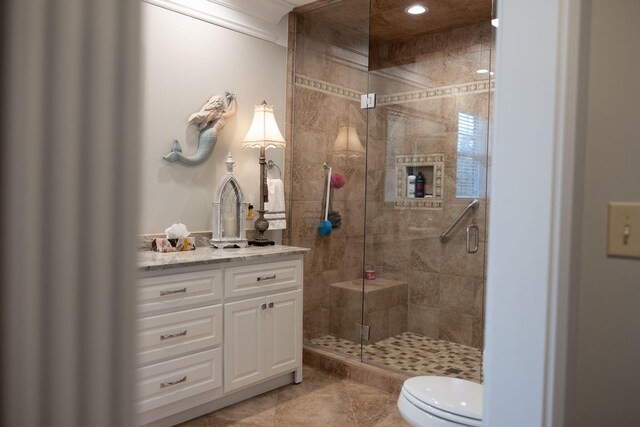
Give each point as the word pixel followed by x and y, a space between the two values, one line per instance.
pixel 262 338
pixel 204 335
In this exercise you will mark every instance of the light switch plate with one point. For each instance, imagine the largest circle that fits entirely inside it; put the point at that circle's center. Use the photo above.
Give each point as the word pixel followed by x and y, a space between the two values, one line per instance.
pixel 624 230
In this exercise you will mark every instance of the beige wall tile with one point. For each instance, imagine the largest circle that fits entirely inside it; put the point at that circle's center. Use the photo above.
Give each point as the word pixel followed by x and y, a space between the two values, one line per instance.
pixel 424 289
pixel 455 327
pixel 398 319
pixel 423 320
pixel 457 294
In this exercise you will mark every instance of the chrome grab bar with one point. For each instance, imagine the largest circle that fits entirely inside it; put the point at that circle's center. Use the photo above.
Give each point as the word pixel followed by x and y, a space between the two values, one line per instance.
pixel 473 205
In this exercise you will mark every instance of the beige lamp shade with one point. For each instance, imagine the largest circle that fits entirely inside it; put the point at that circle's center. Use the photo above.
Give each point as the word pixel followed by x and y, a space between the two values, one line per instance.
pixel 347 141
pixel 264 130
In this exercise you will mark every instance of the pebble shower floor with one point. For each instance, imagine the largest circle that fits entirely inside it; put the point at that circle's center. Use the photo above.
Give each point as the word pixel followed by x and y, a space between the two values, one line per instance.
pixel 413 354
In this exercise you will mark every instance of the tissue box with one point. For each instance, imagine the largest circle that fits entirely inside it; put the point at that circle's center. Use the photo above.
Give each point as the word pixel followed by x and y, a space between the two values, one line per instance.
pixel 174 245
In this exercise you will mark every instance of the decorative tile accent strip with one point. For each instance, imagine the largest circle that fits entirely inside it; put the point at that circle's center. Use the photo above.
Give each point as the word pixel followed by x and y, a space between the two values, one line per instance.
pixel 326 87
pixel 413 354
pixel 437 92
pixel 398 98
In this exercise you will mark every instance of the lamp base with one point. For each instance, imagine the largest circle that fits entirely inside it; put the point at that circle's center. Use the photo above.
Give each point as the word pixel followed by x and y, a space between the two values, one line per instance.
pixel 261 242
pixel 261 225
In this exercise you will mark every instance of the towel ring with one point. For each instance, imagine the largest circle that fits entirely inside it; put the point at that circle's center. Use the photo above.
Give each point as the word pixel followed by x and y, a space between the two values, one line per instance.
pixel 271 164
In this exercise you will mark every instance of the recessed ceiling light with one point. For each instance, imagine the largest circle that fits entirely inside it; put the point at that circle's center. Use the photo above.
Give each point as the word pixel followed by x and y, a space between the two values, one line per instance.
pixel 482 71
pixel 416 9
pixel 495 22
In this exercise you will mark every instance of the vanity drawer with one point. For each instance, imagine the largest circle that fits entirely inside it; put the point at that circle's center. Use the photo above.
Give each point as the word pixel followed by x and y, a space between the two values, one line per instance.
pixel 169 335
pixel 178 291
pixel 258 278
pixel 178 379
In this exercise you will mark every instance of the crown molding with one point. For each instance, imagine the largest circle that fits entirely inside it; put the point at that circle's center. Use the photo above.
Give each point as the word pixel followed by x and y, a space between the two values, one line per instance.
pixel 261 19
pixel 268 10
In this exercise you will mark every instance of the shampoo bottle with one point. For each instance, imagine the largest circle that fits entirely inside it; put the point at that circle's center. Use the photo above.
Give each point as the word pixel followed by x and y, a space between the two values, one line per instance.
pixel 420 185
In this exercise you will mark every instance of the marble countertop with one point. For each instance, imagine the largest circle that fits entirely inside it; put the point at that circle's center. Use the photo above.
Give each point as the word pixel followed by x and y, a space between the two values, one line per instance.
pixel 150 260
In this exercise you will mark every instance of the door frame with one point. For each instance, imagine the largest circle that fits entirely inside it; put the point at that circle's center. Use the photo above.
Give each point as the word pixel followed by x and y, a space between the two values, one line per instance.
pixel 531 253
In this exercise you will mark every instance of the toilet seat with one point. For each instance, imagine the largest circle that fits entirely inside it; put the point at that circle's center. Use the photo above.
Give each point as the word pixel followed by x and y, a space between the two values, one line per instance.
pixel 450 399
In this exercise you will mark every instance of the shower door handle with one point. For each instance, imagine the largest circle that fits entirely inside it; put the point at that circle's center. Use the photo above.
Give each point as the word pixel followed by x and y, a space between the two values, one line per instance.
pixel 476 238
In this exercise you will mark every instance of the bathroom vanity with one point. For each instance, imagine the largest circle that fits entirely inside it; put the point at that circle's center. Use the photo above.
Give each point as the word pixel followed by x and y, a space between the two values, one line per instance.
pixel 214 327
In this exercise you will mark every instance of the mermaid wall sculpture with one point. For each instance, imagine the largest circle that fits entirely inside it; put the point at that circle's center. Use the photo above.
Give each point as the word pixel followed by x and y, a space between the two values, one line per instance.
pixel 210 120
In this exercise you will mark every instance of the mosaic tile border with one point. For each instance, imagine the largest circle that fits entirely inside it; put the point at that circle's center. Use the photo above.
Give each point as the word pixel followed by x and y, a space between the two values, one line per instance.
pixel 326 87
pixel 437 92
pixel 398 98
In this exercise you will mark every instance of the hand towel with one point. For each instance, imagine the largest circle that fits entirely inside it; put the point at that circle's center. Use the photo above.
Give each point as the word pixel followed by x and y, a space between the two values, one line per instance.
pixel 275 206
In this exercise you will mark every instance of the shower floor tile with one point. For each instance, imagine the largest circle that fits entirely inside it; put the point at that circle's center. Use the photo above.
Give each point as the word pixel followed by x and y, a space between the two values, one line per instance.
pixel 413 354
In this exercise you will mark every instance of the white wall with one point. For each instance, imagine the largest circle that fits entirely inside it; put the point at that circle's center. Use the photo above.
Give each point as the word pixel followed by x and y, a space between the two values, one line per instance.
pixel 608 344
pixel 185 61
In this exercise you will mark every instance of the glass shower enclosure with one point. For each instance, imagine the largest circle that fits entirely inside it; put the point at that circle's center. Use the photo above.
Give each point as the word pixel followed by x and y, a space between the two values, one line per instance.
pixel 399 107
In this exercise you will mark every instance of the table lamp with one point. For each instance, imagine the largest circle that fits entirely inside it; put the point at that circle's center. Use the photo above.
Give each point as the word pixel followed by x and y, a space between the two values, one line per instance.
pixel 263 133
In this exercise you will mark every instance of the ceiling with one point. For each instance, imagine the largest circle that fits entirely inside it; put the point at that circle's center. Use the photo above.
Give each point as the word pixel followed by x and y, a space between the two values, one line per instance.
pixel 390 22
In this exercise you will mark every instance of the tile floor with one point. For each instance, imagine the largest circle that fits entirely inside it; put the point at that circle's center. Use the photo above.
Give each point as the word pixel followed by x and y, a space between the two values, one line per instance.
pixel 413 354
pixel 322 400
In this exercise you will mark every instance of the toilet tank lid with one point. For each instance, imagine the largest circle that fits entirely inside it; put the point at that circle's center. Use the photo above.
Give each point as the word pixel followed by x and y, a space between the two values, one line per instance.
pixel 460 397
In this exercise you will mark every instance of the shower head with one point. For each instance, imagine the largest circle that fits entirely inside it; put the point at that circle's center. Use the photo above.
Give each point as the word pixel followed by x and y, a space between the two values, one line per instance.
pixel 326 166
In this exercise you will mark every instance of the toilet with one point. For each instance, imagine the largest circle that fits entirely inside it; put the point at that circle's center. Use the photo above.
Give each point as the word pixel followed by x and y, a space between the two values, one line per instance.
pixel 430 401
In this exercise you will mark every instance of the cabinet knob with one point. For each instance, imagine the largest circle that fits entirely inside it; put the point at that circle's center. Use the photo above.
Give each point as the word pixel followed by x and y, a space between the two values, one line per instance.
pixel 271 305
pixel 263 306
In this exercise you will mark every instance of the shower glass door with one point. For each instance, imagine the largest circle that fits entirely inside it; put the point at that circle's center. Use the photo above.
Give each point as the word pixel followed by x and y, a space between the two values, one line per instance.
pixel 426 162
pixel 383 287
pixel 330 73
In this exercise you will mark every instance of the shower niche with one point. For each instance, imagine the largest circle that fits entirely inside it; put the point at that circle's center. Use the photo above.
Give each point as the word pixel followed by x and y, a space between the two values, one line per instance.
pixel 427 166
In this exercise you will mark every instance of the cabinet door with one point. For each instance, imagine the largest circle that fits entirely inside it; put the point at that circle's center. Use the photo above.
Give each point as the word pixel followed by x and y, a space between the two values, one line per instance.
pixel 243 343
pixel 283 332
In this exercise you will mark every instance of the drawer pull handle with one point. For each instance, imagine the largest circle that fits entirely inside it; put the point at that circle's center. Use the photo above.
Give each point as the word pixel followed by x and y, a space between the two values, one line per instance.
pixel 269 277
pixel 271 305
pixel 170 383
pixel 174 291
pixel 178 334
